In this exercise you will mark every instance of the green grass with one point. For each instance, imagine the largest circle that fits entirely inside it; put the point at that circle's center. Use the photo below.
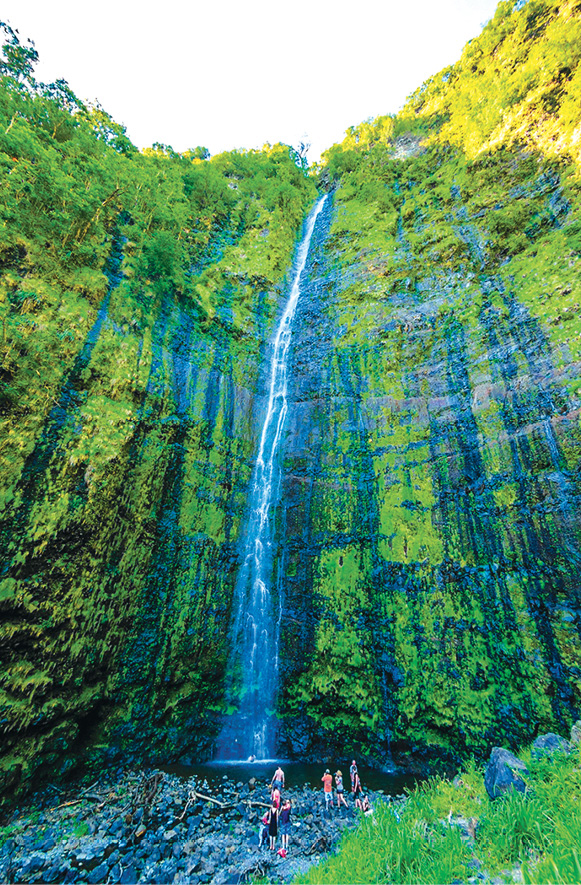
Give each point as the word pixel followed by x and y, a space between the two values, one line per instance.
pixel 392 847
pixel 427 840
pixel 81 829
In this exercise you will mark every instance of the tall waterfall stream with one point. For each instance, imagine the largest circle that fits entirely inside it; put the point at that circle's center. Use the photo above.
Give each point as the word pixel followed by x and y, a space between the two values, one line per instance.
pixel 250 730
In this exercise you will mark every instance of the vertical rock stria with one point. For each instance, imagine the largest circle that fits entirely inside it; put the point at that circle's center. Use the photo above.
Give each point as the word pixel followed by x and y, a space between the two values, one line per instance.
pixel 253 670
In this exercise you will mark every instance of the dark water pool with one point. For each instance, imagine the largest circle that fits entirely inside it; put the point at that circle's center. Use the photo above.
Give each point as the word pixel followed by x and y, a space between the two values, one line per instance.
pixel 297 774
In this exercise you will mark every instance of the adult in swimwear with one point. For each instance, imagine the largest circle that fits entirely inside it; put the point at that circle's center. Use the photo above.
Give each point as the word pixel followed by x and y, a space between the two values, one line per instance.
pixel 277 782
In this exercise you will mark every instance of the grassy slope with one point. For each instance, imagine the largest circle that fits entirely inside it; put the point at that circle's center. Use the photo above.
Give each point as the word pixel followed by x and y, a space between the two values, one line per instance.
pixel 427 838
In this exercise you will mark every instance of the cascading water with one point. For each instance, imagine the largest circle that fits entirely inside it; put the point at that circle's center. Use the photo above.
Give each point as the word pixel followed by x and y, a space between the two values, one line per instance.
pixel 253 668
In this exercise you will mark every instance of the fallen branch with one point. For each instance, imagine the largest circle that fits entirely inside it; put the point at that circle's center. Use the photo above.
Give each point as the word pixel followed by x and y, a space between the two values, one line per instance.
pixel 89 788
pixel 224 805
pixel 321 843
pixel 211 799
pixel 91 798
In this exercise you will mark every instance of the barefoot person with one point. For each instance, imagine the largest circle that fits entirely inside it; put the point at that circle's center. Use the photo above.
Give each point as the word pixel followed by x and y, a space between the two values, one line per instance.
pixel 339 788
pixel 285 814
pixel 357 791
pixel 328 788
pixel 273 826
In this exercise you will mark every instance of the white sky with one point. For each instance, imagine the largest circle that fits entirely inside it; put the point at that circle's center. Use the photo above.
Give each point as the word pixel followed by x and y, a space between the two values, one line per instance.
pixel 231 74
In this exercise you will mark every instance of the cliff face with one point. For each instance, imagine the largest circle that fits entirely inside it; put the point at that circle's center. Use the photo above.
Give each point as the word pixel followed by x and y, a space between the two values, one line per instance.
pixel 123 523
pixel 428 531
pixel 432 484
pixel 137 295
pixel 431 475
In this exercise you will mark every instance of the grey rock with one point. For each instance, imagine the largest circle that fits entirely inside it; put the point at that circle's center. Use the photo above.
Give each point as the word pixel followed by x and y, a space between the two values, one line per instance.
pixel 129 876
pixel 33 864
pixel 93 850
pixel 166 871
pixel 113 858
pixel 54 874
pixel 156 855
pixel 548 744
pixel 99 874
pixel 504 772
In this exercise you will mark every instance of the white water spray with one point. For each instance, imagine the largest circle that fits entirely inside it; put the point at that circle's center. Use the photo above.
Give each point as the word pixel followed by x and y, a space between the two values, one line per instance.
pixel 254 660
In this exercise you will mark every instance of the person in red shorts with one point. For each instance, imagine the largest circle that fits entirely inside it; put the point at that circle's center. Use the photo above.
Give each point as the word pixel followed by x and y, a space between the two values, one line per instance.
pixel 328 788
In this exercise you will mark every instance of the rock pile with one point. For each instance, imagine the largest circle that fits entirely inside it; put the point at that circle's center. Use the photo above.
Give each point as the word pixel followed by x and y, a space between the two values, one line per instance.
pixel 159 828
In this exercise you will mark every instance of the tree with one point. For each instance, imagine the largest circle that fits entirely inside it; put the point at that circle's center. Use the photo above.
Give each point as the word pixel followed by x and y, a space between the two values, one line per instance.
pixel 17 60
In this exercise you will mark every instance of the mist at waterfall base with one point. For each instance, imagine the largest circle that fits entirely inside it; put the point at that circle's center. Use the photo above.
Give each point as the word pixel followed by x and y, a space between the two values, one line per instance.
pixel 252 676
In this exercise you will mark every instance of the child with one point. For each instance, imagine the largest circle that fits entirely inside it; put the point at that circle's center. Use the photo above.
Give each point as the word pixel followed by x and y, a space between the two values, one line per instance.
pixel 285 825
pixel 263 835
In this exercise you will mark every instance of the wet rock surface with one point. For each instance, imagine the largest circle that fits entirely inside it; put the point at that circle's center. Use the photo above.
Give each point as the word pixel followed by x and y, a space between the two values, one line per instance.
pixel 151 827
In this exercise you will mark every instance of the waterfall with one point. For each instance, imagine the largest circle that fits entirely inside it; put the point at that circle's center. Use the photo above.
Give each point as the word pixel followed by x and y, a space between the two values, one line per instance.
pixel 252 675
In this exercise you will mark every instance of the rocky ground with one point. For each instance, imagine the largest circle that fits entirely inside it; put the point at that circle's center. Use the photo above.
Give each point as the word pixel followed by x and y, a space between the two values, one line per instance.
pixel 159 828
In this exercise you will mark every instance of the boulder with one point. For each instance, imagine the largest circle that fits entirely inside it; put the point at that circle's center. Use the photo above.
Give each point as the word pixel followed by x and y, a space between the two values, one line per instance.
pixel 548 744
pixel 99 874
pixel 504 772
pixel 576 733
pixel 129 876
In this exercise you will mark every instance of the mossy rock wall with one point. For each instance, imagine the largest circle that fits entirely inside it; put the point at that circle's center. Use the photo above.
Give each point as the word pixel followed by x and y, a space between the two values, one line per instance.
pixel 427 543
pixel 430 512
pixel 132 355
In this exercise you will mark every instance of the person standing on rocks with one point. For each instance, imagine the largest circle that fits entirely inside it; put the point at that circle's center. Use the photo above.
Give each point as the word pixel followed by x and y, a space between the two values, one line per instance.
pixel 285 814
pixel 277 782
pixel 357 789
pixel 273 825
pixel 328 788
pixel 263 835
pixel 353 772
pixel 339 788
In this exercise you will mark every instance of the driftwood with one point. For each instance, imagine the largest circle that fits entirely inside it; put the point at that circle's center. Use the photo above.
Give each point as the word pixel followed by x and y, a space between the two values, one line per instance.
pixel 321 843
pixel 224 805
pixel 66 804
pixel 259 868
pixel 91 797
